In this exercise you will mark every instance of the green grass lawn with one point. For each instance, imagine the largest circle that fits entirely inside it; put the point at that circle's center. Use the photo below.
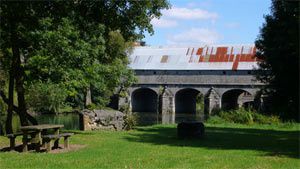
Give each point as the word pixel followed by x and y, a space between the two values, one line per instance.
pixel 224 146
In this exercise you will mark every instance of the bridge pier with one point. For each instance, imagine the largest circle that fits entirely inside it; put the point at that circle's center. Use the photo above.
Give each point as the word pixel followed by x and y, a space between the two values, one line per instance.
pixel 168 107
pixel 212 102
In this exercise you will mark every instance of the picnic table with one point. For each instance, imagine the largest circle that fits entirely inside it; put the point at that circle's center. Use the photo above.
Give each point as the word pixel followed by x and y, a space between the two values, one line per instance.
pixel 36 132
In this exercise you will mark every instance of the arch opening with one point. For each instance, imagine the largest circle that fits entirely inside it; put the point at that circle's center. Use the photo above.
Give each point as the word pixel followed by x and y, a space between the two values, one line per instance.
pixel 144 102
pixel 236 98
pixel 189 105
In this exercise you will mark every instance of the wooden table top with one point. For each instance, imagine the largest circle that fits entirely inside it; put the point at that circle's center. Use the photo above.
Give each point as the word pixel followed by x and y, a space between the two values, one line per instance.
pixel 42 127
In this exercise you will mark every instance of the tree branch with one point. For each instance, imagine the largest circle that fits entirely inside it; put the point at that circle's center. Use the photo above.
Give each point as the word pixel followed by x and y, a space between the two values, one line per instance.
pixel 16 109
pixel 5 99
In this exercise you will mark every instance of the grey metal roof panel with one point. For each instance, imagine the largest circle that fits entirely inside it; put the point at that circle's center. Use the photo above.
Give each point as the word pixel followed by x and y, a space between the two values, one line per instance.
pixel 219 57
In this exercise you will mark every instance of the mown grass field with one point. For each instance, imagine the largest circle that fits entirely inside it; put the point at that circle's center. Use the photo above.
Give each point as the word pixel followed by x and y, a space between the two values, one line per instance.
pixel 225 146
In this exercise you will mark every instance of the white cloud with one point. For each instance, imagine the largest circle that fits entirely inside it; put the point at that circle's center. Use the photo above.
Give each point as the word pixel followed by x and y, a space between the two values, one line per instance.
pixel 189 13
pixel 163 23
pixel 172 17
pixel 194 36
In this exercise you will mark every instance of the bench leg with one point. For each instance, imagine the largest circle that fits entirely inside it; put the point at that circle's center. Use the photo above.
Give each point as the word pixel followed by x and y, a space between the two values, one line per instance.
pixel 48 145
pixel 44 132
pixel 12 143
pixel 66 142
pixel 56 143
pixel 25 144
pixel 43 143
pixel 37 147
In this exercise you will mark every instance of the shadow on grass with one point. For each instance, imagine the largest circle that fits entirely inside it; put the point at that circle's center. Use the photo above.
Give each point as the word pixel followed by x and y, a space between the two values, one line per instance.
pixel 272 142
pixel 18 148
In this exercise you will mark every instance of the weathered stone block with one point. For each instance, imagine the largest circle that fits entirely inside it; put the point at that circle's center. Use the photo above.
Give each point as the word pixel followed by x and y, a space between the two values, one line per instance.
pixel 190 130
pixel 102 119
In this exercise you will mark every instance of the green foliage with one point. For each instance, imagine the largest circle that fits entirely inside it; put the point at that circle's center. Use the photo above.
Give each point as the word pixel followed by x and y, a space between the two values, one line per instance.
pixel 125 108
pixel 15 123
pixel 237 116
pixel 278 45
pixel 215 120
pixel 61 54
pixel 130 120
pixel 263 119
pixel 200 103
pixel 94 106
pixel 132 18
pixel 3 107
pixel 46 97
pixel 243 116
pixel 216 110
pixel 123 94
pixel 91 106
pixel 80 62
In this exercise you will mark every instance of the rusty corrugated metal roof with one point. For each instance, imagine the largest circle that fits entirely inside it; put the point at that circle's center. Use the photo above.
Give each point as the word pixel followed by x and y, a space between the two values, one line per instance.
pixel 219 57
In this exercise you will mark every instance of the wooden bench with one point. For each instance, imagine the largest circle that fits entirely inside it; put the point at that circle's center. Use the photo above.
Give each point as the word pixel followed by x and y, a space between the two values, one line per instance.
pixel 48 139
pixel 12 139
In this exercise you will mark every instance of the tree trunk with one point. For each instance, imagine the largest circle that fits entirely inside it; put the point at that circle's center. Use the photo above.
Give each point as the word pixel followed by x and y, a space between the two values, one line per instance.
pixel 8 124
pixel 19 76
pixel 21 98
pixel 22 110
pixel 88 97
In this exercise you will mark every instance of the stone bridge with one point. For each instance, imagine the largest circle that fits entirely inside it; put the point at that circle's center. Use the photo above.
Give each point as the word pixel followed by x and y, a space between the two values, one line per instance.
pixel 170 80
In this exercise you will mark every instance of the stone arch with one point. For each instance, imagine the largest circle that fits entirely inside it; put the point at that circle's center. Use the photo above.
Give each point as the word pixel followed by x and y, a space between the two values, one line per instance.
pixel 144 100
pixel 235 98
pixel 186 104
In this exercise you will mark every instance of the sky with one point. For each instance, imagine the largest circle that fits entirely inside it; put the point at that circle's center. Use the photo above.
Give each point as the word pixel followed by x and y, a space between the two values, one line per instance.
pixel 209 22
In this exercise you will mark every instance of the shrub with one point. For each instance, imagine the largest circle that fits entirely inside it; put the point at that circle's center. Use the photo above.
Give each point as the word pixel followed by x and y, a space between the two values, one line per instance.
pixel 263 119
pixel 125 108
pixel 237 116
pixel 46 97
pixel 215 120
pixel 247 116
pixel 130 121
pixel 91 106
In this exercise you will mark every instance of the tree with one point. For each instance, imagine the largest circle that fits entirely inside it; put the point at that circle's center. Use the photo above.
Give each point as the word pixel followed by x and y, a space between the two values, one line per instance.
pixel 132 18
pixel 82 44
pixel 14 26
pixel 80 64
pixel 278 47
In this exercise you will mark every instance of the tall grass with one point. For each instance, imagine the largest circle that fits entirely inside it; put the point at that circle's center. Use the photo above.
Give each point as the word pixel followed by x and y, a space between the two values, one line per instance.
pixel 243 116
